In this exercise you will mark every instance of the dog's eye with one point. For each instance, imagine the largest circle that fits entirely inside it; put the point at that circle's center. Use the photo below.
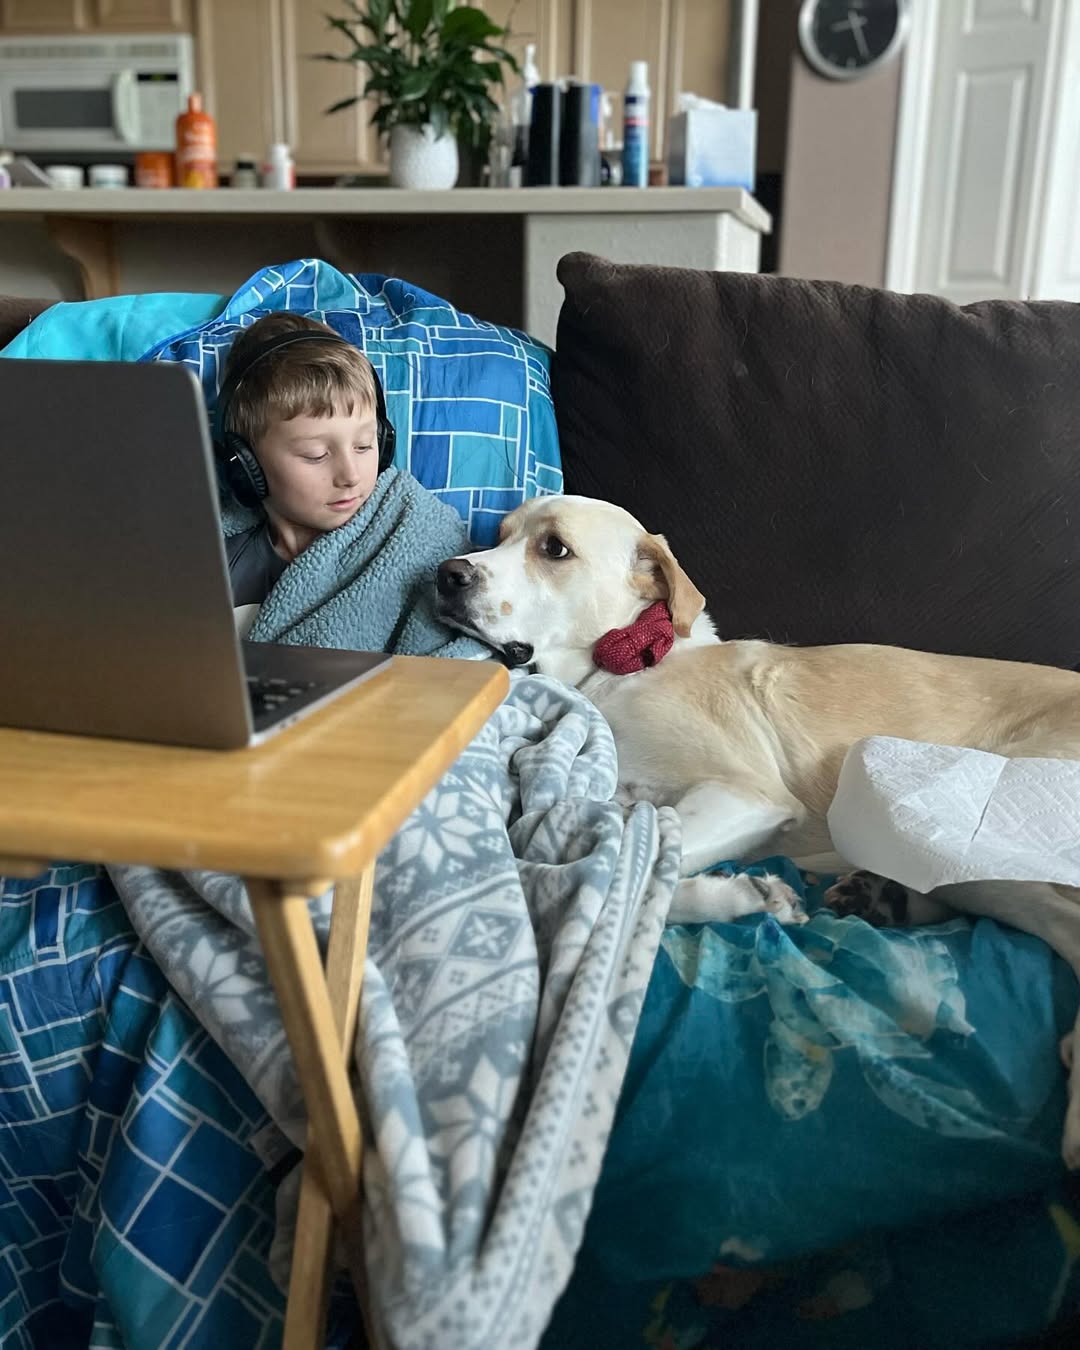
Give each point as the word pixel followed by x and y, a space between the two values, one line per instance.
pixel 551 546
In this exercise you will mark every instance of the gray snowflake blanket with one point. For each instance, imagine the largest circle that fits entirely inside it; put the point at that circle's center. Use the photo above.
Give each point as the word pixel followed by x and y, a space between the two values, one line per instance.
pixel 516 918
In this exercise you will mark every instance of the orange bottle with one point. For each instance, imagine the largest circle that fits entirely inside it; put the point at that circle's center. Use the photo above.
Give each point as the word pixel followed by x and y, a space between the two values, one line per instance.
pixel 196 147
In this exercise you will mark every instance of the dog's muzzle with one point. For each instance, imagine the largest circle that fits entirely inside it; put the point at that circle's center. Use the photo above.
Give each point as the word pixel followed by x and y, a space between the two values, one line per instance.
pixel 454 577
pixel 455 580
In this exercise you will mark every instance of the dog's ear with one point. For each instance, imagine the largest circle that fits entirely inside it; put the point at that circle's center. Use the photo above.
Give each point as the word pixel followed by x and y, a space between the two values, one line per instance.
pixel 659 577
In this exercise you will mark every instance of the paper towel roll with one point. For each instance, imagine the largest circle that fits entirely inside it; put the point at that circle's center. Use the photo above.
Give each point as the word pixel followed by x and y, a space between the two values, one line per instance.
pixel 929 815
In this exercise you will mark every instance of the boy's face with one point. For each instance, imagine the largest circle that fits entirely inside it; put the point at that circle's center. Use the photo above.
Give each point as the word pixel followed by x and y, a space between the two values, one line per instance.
pixel 320 470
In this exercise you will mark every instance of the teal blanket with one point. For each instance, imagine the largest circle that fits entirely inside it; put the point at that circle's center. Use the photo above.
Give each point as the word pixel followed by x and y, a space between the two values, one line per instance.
pixel 369 584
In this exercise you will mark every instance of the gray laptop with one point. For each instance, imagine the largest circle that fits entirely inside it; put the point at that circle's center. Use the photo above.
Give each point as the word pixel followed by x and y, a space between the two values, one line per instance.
pixel 116 614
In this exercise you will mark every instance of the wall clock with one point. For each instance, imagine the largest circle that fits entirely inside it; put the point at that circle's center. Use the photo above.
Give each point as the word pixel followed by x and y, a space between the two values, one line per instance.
pixel 844 39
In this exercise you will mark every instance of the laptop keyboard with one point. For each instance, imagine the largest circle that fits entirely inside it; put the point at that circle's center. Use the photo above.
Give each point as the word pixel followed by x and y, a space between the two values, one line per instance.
pixel 272 695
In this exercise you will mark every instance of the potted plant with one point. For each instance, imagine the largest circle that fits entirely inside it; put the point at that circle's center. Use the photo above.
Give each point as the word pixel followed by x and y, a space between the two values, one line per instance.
pixel 432 69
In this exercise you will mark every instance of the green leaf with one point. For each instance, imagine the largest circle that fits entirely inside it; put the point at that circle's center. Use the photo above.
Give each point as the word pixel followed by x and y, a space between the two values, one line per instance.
pixel 468 25
pixel 415 83
pixel 418 18
pixel 342 103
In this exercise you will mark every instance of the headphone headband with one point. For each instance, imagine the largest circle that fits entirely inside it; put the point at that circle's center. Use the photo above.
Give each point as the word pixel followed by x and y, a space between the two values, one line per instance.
pixel 237 377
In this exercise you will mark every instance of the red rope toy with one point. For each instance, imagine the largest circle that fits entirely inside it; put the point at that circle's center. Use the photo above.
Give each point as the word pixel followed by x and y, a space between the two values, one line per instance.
pixel 641 644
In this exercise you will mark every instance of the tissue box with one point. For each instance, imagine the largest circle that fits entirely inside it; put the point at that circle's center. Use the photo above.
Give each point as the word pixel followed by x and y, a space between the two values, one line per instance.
pixel 712 147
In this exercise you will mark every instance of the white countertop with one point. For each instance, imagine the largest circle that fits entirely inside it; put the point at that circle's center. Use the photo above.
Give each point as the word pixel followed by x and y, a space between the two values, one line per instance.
pixel 148 203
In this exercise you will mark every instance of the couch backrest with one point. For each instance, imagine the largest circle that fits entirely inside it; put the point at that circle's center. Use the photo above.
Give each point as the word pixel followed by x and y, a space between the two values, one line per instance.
pixel 16 313
pixel 832 463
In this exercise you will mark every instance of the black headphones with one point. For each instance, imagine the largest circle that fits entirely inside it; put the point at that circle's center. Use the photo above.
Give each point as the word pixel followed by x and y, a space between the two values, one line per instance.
pixel 242 470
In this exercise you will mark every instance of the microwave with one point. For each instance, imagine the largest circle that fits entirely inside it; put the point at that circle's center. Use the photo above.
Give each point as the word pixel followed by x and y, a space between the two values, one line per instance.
pixel 93 94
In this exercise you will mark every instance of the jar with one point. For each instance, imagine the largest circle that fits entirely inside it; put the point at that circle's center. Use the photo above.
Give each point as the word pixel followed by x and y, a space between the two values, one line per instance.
pixel 108 176
pixel 245 175
pixel 65 175
pixel 154 169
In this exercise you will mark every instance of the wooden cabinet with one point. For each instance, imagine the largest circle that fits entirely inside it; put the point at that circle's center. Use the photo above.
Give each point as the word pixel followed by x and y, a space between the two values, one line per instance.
pixel 239 67
pixel 43 16
pixel 255 66
pixel 547 23
pixel 90 16
pixel 133 16
pixel 323 143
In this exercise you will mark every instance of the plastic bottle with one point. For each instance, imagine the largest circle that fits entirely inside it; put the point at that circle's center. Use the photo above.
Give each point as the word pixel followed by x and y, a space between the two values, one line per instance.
pixel 521 113
pixel 279 171
pixel 636 126
pixel 196 147
pixel 245 175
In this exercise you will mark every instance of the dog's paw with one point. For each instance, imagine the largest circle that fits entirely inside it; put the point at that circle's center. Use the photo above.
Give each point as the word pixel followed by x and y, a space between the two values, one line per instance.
pixel 865 895
pixel 719 898
pixel 781 901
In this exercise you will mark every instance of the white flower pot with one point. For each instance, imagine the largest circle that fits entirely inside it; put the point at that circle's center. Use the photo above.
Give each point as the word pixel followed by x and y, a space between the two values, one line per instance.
pixel 419 159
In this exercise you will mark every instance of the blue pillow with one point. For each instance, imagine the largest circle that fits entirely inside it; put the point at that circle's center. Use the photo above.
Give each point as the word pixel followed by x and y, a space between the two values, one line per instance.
pixel 119 328
pixel 471 401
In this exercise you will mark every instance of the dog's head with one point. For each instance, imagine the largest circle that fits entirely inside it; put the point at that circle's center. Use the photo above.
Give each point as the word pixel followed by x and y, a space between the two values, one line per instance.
pixel 566 571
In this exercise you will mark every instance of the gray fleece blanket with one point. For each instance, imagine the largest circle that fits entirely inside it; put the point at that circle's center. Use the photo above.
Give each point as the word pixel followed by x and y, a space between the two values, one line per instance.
pixel 367 585
pixel 516 917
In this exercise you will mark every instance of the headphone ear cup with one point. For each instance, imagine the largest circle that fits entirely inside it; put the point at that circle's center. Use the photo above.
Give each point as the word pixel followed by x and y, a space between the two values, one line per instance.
pixel 243 473
pixel 387 439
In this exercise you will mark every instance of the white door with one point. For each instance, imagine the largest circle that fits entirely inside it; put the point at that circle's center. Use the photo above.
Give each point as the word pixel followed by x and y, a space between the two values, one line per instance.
pixel 974 148
pixel 1057 212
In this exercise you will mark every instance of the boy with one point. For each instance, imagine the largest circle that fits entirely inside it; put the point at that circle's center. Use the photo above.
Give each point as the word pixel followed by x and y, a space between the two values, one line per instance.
pixel 307 412
pixel 345 546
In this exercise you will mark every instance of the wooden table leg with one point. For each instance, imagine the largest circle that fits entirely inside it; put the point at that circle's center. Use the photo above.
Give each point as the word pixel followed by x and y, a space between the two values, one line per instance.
pixel 320 1015
pixel 344 976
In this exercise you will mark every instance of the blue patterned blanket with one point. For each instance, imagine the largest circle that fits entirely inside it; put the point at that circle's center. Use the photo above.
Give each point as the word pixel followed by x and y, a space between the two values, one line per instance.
pixel 134 1210
pixel 471 400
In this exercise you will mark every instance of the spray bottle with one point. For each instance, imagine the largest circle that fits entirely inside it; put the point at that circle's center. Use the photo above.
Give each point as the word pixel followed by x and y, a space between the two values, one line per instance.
pixel 636 126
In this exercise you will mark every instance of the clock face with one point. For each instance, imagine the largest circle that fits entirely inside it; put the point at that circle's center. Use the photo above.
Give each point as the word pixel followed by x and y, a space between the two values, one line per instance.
pixel 847 38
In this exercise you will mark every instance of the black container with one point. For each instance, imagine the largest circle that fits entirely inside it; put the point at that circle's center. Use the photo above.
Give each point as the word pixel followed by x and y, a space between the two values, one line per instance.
pixel 579 139
pixel 542 169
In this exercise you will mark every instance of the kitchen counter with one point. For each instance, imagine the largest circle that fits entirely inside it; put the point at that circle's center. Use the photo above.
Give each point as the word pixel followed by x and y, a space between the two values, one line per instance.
pixel 113 204
pixel 491 251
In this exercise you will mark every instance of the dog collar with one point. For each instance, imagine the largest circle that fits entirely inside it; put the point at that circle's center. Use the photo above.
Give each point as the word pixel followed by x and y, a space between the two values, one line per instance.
pixel 643 643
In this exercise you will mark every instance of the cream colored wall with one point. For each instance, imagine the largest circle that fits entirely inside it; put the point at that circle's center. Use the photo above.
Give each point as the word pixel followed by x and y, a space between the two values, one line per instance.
pixel 838 166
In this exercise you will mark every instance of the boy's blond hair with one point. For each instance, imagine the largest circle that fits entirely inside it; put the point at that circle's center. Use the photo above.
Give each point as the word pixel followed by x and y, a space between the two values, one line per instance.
pixel 303 379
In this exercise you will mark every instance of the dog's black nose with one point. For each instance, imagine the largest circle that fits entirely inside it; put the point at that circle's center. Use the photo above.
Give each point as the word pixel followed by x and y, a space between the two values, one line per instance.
pixel 454 575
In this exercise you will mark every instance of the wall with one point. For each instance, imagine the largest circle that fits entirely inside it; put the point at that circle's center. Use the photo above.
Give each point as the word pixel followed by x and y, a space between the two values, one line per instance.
pixel 31 266
pixel 838 166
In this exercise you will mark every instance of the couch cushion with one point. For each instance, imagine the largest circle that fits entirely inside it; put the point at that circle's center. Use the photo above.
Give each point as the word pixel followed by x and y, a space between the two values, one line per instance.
pixel 831 463
pixel 115 328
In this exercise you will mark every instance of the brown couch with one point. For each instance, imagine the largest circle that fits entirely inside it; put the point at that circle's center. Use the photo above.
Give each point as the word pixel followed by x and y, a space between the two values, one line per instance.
pixel 745 416
pixel 16 313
